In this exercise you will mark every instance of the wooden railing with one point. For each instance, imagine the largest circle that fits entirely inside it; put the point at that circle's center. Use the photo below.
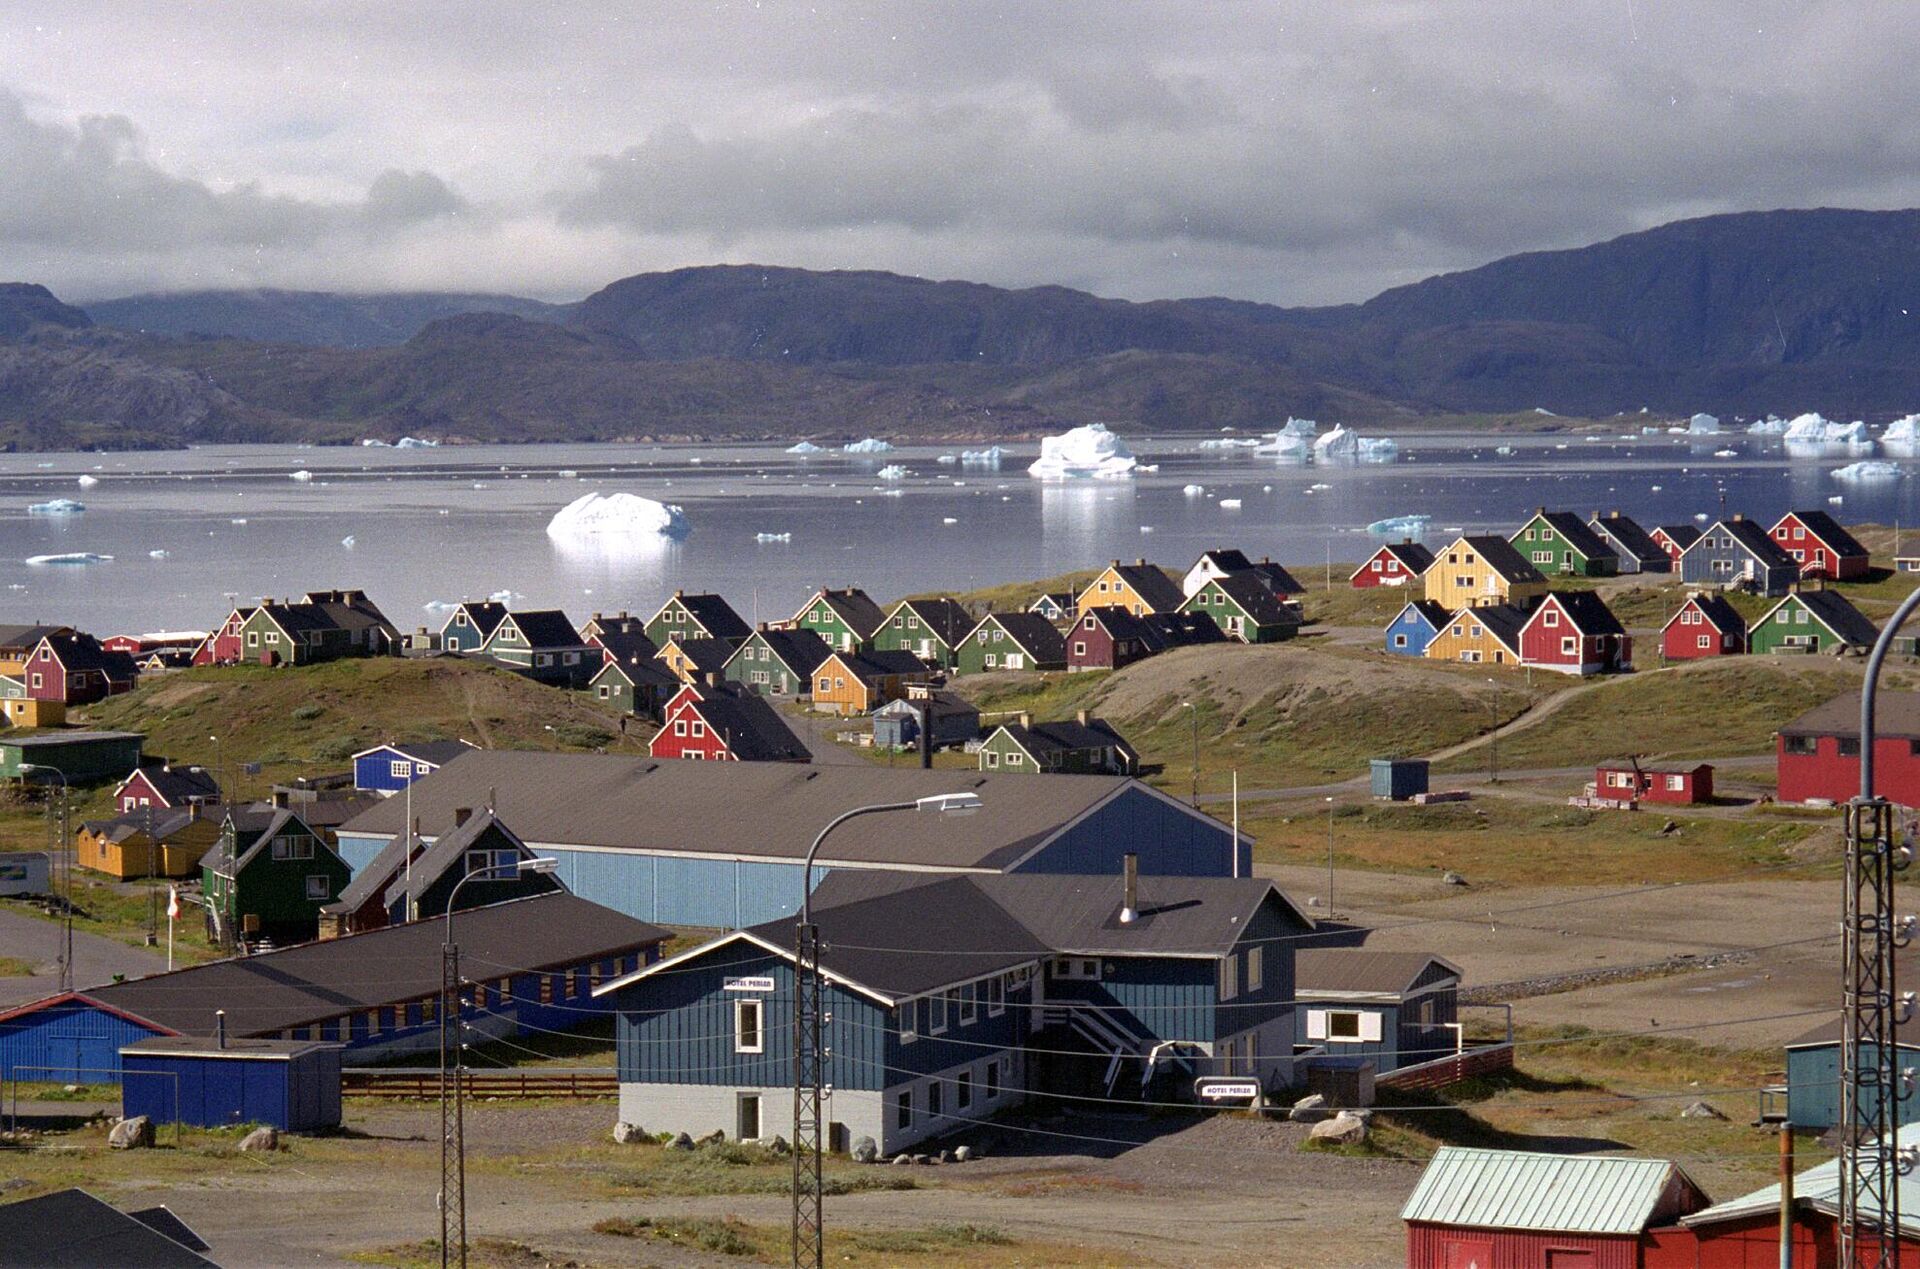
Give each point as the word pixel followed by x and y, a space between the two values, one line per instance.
pixel 1450 1069
pixel 424 1084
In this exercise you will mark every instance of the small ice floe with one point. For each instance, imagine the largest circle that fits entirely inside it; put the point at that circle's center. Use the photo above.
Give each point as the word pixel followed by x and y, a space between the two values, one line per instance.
pixel 1772 425
pixel 1654 488
pixel 1837 499
pixel 893 493
pixel 347 541
pixel 1378 449
pixel 871 445
pixel 947 460
pixel 1318 488
pixel 238 520
pixel 773 537
pixel 1410 526
pixel 1231 442
pixel 1266 489
pixel 1726 453
pixel 568 473
pixel 806 447
pixel 159 555
pixel 415 442
pixel 88 482
pixel 1871 471
pixel 374 442
pixel 1505 451
pixel 1229 504
pixel 1193 491
pixel 1148 467
pixel 56 507
pixel 68 557
pixel 949 520
pixel 892 471
pixel 1701 516
pixel 1146 528
pixel 988 457
pixel 303 475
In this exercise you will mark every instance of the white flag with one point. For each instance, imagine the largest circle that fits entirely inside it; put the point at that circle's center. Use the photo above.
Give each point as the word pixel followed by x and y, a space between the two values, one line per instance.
pixel 173 903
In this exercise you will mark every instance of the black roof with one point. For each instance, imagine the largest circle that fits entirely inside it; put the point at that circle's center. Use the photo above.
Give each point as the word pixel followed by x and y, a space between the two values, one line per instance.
pixel 1184 629
pixel 1070 736
pixel 1681 535
pixel 178 785
pixel 715 615
pixel 253 828
pixel 1629 536
pixel 1837 614
pixel 449 848
pixel 73 1228
pixel 1358 969
pixel 1576 533
pixel 547 628
pixel 801 651
pixel 1722 615
pixel 83 652
pixel 946 618
pixel 1436 613
pixel 1588 611
pixel 1502 558
pixel 649 673
pixel 295 986
pixel 1756 541
pixel 752 729
pixel 24 637
pixel 1503 621
pixel 1037 636
pixel 1152 584
pixel 351 610
pixel 1256 600
pixel 484 615
pixel 854 607
pixel 628 644
pixel 881 662
pixel 1413 555
pixel 709 656
pixel 166 821
pixel 1831 532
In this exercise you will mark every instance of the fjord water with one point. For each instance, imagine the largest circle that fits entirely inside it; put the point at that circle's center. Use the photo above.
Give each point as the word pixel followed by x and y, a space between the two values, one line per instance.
pixel 433 525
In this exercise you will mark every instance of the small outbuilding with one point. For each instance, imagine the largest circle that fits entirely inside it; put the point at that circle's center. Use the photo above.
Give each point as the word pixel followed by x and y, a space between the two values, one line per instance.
pixel 1673 784
pixel 1393 1009
pixel 1398 779
pixel 24 872
pixel 83 757
pixel 216 1082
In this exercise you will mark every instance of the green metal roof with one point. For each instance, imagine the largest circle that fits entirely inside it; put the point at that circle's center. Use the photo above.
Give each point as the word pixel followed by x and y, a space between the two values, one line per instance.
pixel 1514 1189
pixel 1818 1188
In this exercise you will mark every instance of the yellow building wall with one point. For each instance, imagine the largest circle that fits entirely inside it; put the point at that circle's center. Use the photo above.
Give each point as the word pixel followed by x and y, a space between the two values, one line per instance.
pixel 32 713
pixel 1118 594
pixel 1469 582
pixel 1473 638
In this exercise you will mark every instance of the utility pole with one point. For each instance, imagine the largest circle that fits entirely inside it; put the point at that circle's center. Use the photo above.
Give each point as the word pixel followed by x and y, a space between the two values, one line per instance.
pixel 1195 796
pixel 1329 857
pixel 1493 736
pixel 453 1137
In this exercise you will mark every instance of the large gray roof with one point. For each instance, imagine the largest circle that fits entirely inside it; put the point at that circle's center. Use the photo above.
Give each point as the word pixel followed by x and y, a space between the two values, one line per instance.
pixel 762 810
pixel 1341 969
pixel 1896 715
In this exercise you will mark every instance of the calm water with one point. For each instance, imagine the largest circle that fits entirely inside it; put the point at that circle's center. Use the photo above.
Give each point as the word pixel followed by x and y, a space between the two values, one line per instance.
pixel 439 525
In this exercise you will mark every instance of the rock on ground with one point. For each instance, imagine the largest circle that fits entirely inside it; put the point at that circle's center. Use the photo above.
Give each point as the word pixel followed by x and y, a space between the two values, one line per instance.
pixel 865 1150
pixel 1343 1129
pixel 131 1134
pixel 264 1139
pixel 1310 1109
pixel 627 1134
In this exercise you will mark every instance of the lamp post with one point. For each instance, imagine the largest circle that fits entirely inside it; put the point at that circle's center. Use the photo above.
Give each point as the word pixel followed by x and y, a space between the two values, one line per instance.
pixel 809 1231
pixel 1329 857
pixel 66 867
pixel 1189 706
pixel 453 1139
pixel 1493 736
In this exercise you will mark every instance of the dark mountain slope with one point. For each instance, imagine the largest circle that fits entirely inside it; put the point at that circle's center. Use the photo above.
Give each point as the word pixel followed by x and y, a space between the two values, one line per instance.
pixel 318 318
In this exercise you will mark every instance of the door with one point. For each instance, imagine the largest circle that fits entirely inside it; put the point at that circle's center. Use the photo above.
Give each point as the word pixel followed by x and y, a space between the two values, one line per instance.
pixel 1567 1258
pixel 1464 1253
pixel 748 1119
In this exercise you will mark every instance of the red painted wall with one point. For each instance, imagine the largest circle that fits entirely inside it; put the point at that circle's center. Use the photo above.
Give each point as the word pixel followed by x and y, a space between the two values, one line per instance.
pixel 1391 572
pixel 1814 559
pixel 1651 786
pixel 1446 1247
pixel 1681 642
pixel 1753 1243
pixel 1540 643
pixel 683 711
pixel 1826 773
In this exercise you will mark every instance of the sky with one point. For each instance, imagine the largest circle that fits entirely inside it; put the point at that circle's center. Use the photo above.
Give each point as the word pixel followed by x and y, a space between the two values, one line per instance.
pixel 1298 152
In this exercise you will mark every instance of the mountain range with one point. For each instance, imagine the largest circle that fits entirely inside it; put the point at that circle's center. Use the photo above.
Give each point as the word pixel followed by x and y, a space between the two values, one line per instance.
pixel 1737 314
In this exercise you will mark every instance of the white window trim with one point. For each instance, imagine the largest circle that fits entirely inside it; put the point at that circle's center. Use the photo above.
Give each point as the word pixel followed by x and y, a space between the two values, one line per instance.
pixel 742 1009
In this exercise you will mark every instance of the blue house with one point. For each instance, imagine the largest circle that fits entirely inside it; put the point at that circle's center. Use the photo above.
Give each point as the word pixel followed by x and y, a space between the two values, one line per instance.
pixel 469 626
pixel 720 845
pixel 1739 552
pixel 1813 1074
pixel 72 1038
pixel 389 768
pixel 953 998
pixel 1394 1009
pixel 1409 633
pixel 216 1082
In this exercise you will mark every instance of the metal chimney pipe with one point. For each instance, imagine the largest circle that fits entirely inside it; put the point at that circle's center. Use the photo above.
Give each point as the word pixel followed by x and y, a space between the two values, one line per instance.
pixel 926 733
pixel 1130 888
pixel 219 1028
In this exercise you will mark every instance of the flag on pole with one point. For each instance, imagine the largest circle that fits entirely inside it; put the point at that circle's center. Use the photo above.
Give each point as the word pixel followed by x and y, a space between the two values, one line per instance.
pixel 173 903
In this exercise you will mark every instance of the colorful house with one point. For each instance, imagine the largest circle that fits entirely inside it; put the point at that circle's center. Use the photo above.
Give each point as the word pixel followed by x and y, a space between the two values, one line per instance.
pixel 1560 543
pixel 1674 539
pixel 1245 609
pixel 1394 564
pixel 1083 746
pixel 634 687
pixel 1012 641
pixel 1574 632
pixel 1672 784
pixel 1817 755
pixel 1812 621
pixel 387 769
pixel 471 623
pixel 847 619
pixel 1112 637
pixel 1638 550
pixel 1056 606
pixel 1706 625
pixel 20 709
pixel 724 722
pixel 931 629
pixel 778 662
pixel 288 633
pixel 1139 587
pixel 1821 546
pixel 18 642
pixel 703 616
pixel 1228 561
pixel 898 724
pixel 1813 1068
pixel 228 644
pixel 269 882
pixel 1414 627
pixel 696 660
pixel 166 786
pixel 850 683
pixel 75 670
pixel 543 645
pixel 151 842
pixel 82 757
pixel 365 629
pixel 1393 1009
pixel 1738 552
pixel 1488 635
pixel 620 639
pixel 1479 571
pixel 393 890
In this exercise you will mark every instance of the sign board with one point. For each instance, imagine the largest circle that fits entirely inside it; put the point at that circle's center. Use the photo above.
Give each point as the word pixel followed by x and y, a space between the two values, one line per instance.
pixel 1216 1090
pixel 750 984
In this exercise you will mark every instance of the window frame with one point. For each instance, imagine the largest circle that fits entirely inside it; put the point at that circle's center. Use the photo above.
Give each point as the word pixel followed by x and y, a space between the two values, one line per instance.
pixel 749 1039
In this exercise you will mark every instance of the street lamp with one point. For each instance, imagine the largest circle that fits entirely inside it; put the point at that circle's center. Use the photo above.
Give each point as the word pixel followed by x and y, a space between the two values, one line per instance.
pixel 809 1231
pixel 453 1118
pixel 65 848
pixel 1329 858
pixel 1493 736
pixel 1189 706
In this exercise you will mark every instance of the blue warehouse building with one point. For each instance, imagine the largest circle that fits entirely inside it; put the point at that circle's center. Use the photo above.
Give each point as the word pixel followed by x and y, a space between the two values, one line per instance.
pixel 950 999
pixel 719 844
pixel 390 768
pixel 215 1082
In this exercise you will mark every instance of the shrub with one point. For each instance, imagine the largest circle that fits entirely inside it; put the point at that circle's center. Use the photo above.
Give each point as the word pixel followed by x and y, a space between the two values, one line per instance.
pixel 307 713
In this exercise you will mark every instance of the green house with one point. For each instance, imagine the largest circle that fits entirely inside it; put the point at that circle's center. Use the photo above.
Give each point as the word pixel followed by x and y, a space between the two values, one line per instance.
pixel 847 619
pixel 1242 606
pixel 637 686
pixel 1810 622
pixel 291 634
pixel 703 616
pixel 931 629
pixel 1012 641
pixel 778 662
pixel 1084 746
pixel 268 877
pixel 1561 543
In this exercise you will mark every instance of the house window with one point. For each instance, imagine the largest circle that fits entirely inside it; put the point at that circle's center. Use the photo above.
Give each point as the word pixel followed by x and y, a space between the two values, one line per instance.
pixel 1399 641
pixel 1376 566
pixel 1705 641
pixel 1015 760
pixel 903 1108
pixel 1676 784
pixel 939 1008
pixel 698 728
pixel 1256 968
pixel 996 996
pixel 967 1004
pixel 933 1099
pixel 318 886
pixel 1569 646
pixel 1076 967
pixel 605 691
pixel 1550 618
pixel 292 846
pixel 546 989
pixel 993 1080
pixel 748 1037
pixel 1088 624
pixel 679 726
pixel 429 1011
pixel 1849 746
pixel 1079 648
pixel 373 1017
pixel 1229 977
pixel 909 1013
pixel 400 769
pixel 491 860
pixel 963 1090
pixel 1343 1024
pixel 993 759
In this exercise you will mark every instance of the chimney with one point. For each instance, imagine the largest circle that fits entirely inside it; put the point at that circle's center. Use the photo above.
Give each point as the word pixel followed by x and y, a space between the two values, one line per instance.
pixel 762 627
pixel 1736 517
pixel 1080 716
pixel 1024 719
pixel 1129 888
pixel 677 594
pixel 1140 562
pixel 219 1028
pixel 461 814
pixel 1541 511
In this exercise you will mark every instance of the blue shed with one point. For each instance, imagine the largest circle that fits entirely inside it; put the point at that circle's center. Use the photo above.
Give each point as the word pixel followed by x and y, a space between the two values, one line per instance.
pixel 1398 779
pixel 1394 1008
pixel 1409 633
pixel 216 1082
pixel 69 1039
pixel 390 768
pixel 1813 1074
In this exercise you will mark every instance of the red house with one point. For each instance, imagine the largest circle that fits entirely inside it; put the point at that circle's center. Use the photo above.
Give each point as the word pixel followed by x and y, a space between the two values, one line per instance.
pixel 1676 784
pixel 724 722
pixel 1674 539
pixel 167 787
pixel 1395 564
pixel 1574 632
pixel 1705 626
pixel 1817 755
pixel 1820 545
pixel 75 669
pixel 1107 638
pixel 224 646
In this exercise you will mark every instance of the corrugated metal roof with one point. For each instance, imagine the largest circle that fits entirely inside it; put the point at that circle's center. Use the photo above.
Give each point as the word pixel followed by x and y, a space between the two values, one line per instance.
pixel 1819 1188
pixel 1513 1189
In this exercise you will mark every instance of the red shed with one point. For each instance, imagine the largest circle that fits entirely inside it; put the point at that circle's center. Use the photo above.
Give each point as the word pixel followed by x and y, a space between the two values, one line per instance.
pixel 1817 755
pixel 1820 545
pixel 1704 626
pixel 1513 1209
pixel 1630 780
pixel 1574 632
pixel 1395 564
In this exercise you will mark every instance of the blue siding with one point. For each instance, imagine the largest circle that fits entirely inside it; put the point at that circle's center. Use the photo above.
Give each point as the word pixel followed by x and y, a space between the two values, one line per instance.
pixel 1154 998
pixel 1697 566
pixel 1170 839
pixel 983 1038
pixel 1409 634
pixel 220 1092
pixel 1813 1085
pixel 72 1042
pixel 359 851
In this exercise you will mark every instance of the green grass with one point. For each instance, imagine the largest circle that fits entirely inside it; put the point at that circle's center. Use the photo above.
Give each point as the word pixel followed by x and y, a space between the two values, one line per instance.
pixel 930 1240
pixel 724 1236
pixel 650 1170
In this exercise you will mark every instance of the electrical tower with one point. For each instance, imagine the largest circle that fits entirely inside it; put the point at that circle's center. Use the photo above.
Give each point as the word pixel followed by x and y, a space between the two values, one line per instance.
pixel 453 1144
pixel 809 1062
pixel 1869 1054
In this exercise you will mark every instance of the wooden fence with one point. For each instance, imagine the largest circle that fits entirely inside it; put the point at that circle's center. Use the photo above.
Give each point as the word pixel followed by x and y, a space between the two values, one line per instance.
pixel 1450 1069
pixel 424 1084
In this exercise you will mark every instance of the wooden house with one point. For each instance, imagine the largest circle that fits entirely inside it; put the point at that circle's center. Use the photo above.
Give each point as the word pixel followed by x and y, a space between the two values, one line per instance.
pixel 82 757
pixel 931 629
pixel 621 638
pixel 176 646
pixel 228 644
pixel 857 683
pixel 1056 606
pixel 166 786
pixel 1488 635
pixel 1821 546
pixel 778 662
pixel 1705 625
pixel 471 623
pixel 1109 638
pixel 1559 543
pixel 363 627
pixel 1574 632
pixel 269 880
pixel 1393 1009
pixel 639 688
pixel 1478 571
pixel 1812 621
pixel 846 619
pixel 1738 552
pixel 150 842
pixel 701 616
pixel 953 720
pixel 289 633
pixel 1674 539
pixel 388 769
pixel 1394 564
pixel 392 890
pixel 1638 550
pixel 696 660
pixel 19 708
pixel 1631 781
pixel 1414 627
pixel 75 670
pixel 18 642
pixel 1245 609
pixel 1228 561
pixel 1139 587
pixel 543 645
pixel 1083 745
pixel 724 722
pixel 1814 1087
pixel 1817 755
pixel 1012 641
pixel 619 623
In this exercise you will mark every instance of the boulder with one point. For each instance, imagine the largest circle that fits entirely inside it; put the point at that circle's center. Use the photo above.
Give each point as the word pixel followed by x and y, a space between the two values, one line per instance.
pixel 776 1144
pixel 1452 879
pixel 1342 1130
pixel 922 1160
pixel 681 1141
pixel 1310 1109
pixel 1700 1110
pixel 902 1160
pixel 264 1139
pixel 131 1134
pixel 718 1137
pixel 627 1134
pixel 865 1150
pixel 963 1154
pixel 943 1157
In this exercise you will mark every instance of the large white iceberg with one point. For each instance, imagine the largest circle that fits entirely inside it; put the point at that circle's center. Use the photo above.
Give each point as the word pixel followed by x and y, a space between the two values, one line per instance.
pixel 1341 442
pixel 1872 470
pixel 1378 449
pixel 616 515
pixel 892 471
pixel 1812 427
pixel 1905 430
pixel 1703 425
pixel 56 507
pixel 1772 425
pixel 1083 451
pixel 988 457
pixel 868 446
pixel 806 447
pixel 1283 444
pixel 69 557
pixel 1303 428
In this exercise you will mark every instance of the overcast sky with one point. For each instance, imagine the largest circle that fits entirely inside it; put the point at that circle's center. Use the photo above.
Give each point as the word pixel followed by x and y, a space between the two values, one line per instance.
pixel 1290 152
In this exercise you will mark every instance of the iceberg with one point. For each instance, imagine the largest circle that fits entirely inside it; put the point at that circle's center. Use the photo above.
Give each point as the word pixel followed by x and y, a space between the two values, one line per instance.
pixel 1904 429
pixel 57 507
pixel 1378 449
pixel 415 442
pixel 88 482
pixel 1726 453
pixel 1302 428
pixel 1283 444
pixel 947 460
pixel 1229 504
pixel 347 541
pixel 303 475
pixel 1505 451
pixel 773 537
pixel 868 446
pixel 1231 442
pixel 1872 470
pixel 70 557
pixel 1772 425
pixel 988 457
pixel 806 447
pixel 1811 427
pixel 892 471
pixel 159 555
pixel 374 442
pixel 1083 451
pixel 1193 491
pixel 949 519
pixel 1341 442
pixel 1413 526
pixel 1703 425
pixel 616 515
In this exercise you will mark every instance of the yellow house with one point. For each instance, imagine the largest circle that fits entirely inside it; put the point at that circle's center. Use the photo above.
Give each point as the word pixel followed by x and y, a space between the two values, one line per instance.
pixel 120 847
pixel 696 660
pixel 857 683
pixel 24 711
pixel 1139 587
pixel 1489 635
pixel 1474 572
